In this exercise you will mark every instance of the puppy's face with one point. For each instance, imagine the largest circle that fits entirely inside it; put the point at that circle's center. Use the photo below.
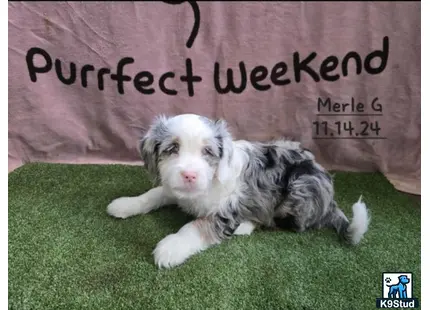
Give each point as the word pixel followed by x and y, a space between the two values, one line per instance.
pixel 187 152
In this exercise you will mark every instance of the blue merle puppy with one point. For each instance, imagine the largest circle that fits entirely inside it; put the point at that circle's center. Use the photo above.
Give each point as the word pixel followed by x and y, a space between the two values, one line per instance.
pixel 231 187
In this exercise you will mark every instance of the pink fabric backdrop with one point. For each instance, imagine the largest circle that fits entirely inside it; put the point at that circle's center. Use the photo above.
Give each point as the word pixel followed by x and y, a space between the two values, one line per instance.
pixel 55 121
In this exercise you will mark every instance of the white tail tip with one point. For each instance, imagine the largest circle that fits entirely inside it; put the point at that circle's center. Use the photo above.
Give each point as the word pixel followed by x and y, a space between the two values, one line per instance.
pixel 360 221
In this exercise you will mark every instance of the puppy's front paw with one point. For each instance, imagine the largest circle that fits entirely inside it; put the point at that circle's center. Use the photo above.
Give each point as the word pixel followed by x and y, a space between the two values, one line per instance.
pixel 123 207
pixel 170 252
pixel 173 250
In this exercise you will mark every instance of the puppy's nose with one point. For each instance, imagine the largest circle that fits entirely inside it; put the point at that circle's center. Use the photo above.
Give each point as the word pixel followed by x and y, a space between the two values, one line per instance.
pixel 189 176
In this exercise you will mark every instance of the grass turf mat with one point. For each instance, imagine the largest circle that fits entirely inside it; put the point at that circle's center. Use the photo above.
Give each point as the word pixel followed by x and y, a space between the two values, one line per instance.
pixel 65 252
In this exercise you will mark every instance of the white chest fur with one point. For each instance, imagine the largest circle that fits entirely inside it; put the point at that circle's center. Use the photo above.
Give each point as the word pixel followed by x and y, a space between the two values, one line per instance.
pixel 203 205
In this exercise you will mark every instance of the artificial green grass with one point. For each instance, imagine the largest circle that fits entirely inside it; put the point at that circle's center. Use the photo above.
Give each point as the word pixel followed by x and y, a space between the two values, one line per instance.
pixel 65 252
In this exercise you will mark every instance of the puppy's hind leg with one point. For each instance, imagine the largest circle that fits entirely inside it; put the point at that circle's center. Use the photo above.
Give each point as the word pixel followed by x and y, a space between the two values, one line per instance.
pixel 287 218
pixel 245 228
pixel 130 206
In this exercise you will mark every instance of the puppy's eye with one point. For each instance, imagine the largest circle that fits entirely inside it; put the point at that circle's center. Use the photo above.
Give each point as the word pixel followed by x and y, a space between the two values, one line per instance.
pixel 208 151
pixel 173 148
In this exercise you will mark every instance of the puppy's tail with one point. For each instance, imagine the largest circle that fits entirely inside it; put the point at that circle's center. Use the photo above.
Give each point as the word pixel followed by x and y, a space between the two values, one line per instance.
pixel 352 232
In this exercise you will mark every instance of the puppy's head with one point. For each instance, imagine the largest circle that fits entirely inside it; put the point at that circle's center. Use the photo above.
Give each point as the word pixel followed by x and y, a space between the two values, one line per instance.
pixel 187 153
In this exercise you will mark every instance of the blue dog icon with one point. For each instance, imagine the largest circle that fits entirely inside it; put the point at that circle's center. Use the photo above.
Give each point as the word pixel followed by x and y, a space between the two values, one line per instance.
pixel 399 290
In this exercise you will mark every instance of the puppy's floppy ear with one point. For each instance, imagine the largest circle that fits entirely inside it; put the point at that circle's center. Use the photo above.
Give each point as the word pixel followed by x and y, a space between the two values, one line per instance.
pixel 149 154
pixel 225 145
pixel 150 144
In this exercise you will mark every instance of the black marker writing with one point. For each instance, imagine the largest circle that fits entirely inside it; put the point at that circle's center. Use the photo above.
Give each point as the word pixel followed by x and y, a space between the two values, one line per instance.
pixel 234 80
pixel 196 24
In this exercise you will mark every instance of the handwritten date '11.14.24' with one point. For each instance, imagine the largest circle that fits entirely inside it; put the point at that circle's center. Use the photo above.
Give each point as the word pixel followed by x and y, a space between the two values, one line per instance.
pixel 348 120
